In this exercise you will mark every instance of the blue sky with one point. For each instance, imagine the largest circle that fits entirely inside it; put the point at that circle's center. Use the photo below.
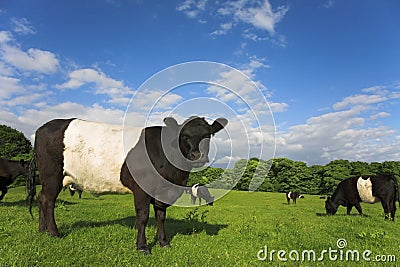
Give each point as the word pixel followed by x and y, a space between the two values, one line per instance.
pixel 329 70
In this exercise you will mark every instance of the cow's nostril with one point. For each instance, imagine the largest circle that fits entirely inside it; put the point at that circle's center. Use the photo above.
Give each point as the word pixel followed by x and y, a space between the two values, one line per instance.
pixel 194 155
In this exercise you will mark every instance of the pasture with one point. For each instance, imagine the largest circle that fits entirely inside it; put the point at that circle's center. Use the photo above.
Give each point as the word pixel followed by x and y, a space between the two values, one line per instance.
pixel 100 231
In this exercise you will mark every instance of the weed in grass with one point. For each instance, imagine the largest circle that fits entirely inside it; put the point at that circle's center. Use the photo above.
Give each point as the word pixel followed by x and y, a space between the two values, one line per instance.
pixel 197 220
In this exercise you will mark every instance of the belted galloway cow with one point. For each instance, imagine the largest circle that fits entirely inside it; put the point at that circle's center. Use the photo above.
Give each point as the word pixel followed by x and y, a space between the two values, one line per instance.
pixel 368 189
pixel 91 155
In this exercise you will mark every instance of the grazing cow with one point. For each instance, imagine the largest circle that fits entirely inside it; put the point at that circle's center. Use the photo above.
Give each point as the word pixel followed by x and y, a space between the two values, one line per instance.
pixel 294 196
pixel 369 189
pixel 73 188
pixel 91 155
pixel 9 170
pixel 201 191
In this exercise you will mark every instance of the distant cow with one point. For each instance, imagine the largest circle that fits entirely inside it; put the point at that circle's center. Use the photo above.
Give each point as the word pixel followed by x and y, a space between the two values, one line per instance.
pixel 369 189
pixel 200 191
pixel 9 171
pixel 73 188
pixel 92 155
pixel 293 196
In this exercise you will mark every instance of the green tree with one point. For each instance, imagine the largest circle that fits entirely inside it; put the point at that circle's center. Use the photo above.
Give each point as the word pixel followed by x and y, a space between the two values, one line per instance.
pixel 334 172
pixel 13 144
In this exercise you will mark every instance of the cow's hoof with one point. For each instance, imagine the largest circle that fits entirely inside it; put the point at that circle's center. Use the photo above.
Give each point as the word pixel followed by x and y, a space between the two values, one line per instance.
pixel 54 234
pixel 144 250
pixel 165 245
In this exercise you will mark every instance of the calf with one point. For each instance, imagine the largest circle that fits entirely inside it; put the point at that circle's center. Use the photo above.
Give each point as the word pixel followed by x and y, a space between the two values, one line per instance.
pixel 369 189
pixel 293 196
pixel 9 171
pixel 200 191
pixel 92 155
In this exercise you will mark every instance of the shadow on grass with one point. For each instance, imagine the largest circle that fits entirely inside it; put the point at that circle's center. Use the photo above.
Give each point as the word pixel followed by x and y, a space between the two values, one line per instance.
pixel 18 203
pixel 342 215
pixel 22 203
pixel 172 226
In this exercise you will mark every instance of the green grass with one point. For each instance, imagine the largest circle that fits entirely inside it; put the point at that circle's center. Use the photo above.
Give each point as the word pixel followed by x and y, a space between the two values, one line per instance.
pixel 100 231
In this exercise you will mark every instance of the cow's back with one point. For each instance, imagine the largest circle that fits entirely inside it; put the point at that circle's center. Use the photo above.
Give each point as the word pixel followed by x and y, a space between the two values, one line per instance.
pixel 3 168
pixel 94 154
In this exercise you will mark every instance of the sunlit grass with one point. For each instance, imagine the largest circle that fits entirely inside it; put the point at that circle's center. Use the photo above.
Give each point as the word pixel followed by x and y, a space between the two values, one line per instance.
pixel 100 231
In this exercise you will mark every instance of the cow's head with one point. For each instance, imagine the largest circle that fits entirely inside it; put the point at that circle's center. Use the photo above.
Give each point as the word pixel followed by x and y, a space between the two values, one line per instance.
pixel 193 137
pixel 24 167
pixel 330 207
pixel 210 202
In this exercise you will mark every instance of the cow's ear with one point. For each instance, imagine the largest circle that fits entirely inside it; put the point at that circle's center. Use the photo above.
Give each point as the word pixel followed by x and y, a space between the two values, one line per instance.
pixel 218 125
pixel 171 122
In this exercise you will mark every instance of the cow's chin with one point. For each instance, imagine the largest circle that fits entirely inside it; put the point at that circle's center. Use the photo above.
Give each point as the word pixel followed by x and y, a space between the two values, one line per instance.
pixel 198 164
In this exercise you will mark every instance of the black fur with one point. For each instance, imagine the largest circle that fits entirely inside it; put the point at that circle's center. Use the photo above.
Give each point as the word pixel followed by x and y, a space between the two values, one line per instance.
pixel 384 187
pixel 9 170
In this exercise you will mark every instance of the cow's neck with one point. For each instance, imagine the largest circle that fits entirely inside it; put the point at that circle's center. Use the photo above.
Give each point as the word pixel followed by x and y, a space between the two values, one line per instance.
pixel 338 198
pixel 15 169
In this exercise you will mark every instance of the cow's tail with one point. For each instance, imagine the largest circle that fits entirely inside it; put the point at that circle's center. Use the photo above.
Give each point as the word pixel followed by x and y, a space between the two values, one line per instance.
pixel 31 182
pixel 396 186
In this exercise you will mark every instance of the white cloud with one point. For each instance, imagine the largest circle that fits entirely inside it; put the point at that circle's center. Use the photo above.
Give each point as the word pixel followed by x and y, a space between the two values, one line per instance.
pixel 26 99
pixel 261 15
pixel 31 119
pixel 379 115
pixel 154 99
pixel 329 3
pixel 5 37
pixel 350 133
pixel 278 107
pixel 192 8
pixel 223 29
pixel 9 86
pixel 359 100
pixel 116 90
pixel 32 60
pixel 22 26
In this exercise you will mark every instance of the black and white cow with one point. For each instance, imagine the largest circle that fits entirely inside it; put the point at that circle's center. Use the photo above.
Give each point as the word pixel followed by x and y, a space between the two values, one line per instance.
pixel 155 168
pixel 200 191
pixel 294 196
pixel 73 188
pixel 369 189
pixel 9 170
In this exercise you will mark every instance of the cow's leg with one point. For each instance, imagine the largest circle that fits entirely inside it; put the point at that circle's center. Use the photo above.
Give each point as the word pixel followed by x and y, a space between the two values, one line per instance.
pixel 42 217
pixel 4 190
pixel 393 207
pixel 392 210
pixel 359 209
pixel 51 177
pixel 294 200
pixel 47 199
pixel 199 201
pixel 386 209
pixel 160 214
pixel 193 198
pixel 142 206
pixel 349 207
pixel 288 201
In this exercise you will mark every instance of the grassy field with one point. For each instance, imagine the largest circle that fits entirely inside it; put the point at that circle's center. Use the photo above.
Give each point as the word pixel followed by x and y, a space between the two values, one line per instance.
pixel 100 231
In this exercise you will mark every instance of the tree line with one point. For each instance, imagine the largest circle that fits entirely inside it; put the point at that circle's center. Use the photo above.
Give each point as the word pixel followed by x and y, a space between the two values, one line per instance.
pixel 284 175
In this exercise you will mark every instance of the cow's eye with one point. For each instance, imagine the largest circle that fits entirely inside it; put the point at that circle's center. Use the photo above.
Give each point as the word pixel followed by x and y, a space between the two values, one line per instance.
pixel 184 137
